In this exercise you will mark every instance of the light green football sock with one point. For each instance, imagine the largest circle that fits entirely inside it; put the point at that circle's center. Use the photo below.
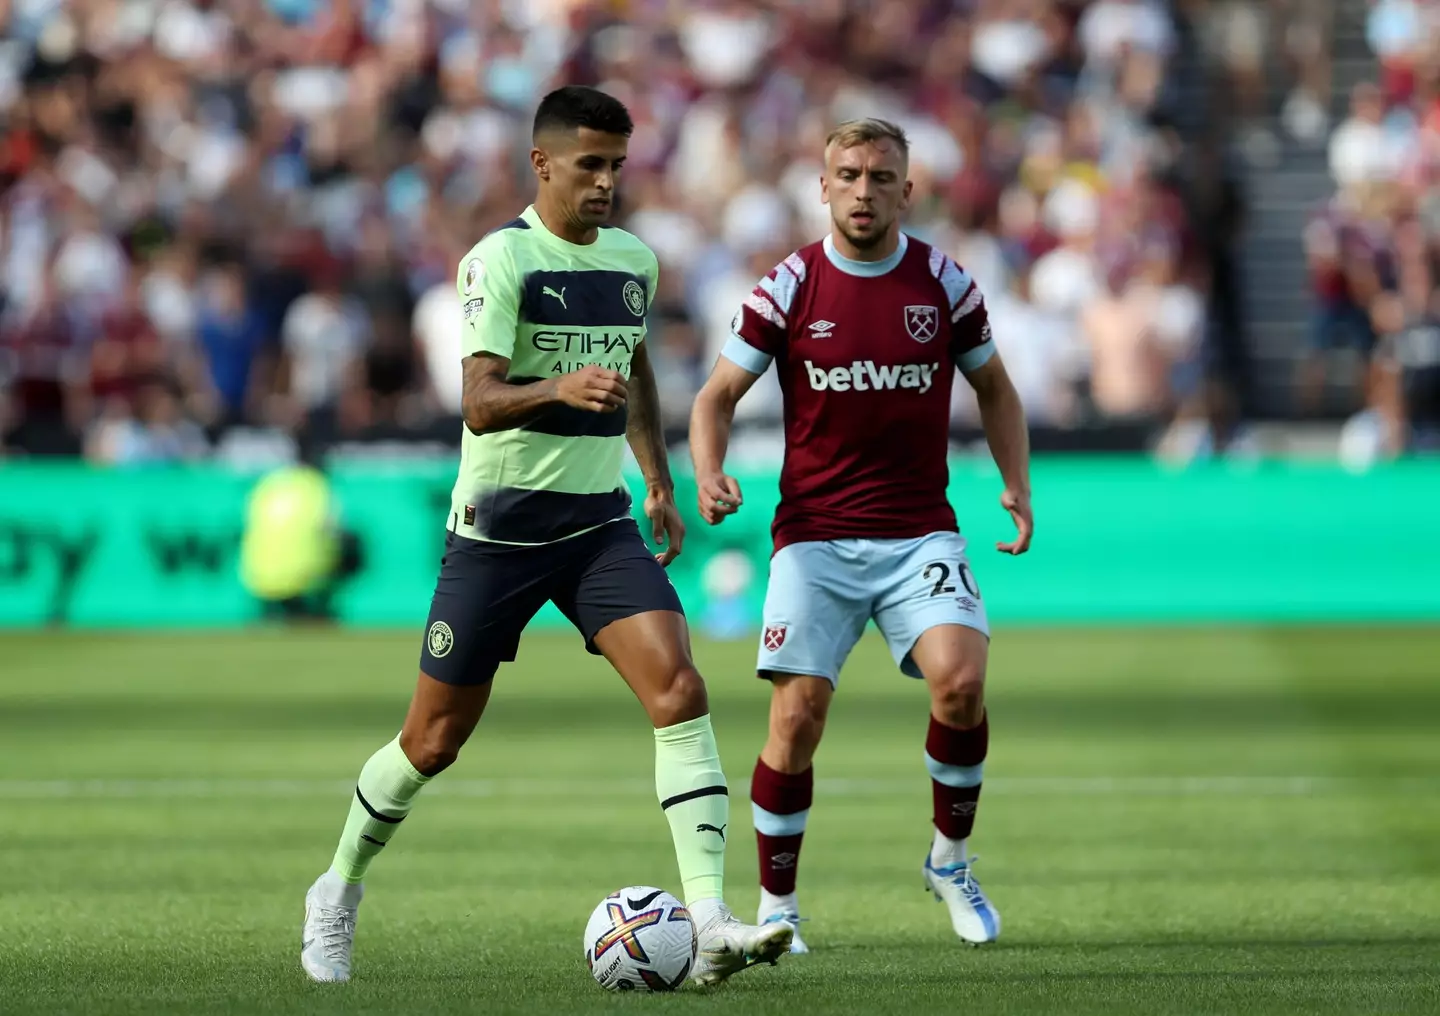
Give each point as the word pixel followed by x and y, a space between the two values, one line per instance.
pixel 692 790
pixel 387 787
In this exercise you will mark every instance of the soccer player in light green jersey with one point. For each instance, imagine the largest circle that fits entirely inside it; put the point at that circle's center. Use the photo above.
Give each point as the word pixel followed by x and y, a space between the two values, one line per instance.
pixel 556 380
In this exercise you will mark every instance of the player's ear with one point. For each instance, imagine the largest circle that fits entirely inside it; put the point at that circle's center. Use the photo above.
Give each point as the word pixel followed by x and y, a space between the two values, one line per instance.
pixel 824 189
pixel 540 162
pixel 905 194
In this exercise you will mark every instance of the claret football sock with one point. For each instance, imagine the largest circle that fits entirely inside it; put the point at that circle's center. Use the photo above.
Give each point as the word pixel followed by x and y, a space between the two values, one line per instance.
pixel 956 760
pixel 780 805
pixel 386 789
pixel 693 793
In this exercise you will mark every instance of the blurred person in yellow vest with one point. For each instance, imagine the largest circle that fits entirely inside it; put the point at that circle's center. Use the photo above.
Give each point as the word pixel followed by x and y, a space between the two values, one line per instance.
pixel 294 553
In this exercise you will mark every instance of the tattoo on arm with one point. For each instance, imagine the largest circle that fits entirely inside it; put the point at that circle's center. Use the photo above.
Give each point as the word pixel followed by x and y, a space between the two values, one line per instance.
pixel 490 403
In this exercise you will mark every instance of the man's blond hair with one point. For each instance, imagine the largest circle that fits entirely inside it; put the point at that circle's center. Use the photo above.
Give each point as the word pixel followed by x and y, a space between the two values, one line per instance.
pixel 867 131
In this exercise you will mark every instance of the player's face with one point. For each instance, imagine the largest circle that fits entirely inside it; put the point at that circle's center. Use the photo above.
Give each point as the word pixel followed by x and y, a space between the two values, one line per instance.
pixel 581 168
pixel 866 189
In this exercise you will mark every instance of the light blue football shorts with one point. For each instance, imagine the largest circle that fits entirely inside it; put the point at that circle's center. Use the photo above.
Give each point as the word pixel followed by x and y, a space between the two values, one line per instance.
pixel 822 593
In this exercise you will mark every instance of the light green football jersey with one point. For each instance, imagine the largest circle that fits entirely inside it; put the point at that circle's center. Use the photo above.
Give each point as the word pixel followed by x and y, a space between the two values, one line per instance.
pixel 551 307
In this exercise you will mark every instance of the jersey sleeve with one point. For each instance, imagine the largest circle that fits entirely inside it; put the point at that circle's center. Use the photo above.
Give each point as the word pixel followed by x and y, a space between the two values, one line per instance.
pixel 490 295
pixel 761 326
pixel 971 344
pixel 652 290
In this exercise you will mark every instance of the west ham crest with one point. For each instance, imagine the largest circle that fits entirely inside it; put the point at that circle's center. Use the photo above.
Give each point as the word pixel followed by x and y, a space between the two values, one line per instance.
pixel 922 322
pixel 774 636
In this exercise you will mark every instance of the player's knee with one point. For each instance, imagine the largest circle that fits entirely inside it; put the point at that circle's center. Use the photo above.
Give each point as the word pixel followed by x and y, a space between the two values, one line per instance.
pixel 959 696
pixel 432 750
pixel 680 697
pixel 797 722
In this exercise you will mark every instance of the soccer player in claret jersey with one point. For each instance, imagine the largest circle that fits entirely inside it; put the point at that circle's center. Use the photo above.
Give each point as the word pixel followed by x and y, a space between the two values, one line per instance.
pixel 556 380
pixel 866 330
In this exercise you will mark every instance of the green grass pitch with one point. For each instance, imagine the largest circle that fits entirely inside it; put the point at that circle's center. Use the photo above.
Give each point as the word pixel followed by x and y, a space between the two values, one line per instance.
pixel 1206 821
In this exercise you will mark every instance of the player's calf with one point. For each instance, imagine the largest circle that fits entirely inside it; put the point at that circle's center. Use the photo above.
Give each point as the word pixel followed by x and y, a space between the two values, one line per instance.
pixel 440 719
pixel 781 791
pixel 780 806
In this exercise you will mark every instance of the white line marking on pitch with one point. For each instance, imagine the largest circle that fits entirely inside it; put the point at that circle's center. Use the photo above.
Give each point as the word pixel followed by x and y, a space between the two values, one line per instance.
pixel 1096 786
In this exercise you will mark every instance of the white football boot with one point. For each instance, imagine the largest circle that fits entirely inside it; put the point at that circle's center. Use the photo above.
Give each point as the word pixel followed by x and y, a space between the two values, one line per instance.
pixel 726 946
pixel 974 919
pixel 328 934
pixel 790 917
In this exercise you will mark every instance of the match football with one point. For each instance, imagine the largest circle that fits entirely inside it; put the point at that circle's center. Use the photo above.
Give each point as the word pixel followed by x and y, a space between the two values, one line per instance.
pixel 640 939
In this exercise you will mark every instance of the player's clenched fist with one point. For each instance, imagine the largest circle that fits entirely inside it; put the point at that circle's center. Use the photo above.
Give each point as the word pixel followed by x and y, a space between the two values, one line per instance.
pixel 594 388
pixel 719 497
pixel 1017 503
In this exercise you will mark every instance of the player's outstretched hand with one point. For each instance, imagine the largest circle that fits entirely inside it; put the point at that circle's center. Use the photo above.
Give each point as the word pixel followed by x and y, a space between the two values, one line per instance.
pixel 719 496
pixel 594 388
pixel 668 530
pixel 1018 505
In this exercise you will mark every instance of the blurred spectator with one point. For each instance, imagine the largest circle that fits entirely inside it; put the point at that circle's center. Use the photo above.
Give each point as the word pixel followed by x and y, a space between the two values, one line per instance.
pixel 324 334
pixel 1143 340
pixel 156 431
pixel 250 214
pixel 1405 396
pixel 233 338
pixel 1374 247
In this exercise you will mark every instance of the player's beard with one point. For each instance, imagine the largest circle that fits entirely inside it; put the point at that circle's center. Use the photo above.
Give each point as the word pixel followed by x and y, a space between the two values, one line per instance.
pixel 592 215
pixel 864 241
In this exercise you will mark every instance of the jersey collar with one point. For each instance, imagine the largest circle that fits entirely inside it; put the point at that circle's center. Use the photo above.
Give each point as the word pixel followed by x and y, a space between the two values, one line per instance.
pixel 864 269
pixel 531 216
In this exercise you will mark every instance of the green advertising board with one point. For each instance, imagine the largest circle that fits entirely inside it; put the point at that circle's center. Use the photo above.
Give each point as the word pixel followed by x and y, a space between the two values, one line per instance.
pixel 1119 540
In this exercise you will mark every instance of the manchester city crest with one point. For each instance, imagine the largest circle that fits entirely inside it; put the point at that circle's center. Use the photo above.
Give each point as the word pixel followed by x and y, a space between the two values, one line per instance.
pixel 922 322
pixel 439 639
pixel 634 298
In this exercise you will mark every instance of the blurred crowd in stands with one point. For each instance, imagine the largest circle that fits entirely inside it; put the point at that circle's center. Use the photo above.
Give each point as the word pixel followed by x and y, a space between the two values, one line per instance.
pixel 1374 247
pixel 228 223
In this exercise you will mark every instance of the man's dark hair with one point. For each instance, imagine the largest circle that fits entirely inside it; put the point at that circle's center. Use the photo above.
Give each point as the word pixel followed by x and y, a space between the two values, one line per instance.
pixel 576 106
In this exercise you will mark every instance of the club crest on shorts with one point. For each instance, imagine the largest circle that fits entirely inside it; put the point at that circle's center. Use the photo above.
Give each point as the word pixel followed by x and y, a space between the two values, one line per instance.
pixel 923 323
pixel 774 636
pixel 439 639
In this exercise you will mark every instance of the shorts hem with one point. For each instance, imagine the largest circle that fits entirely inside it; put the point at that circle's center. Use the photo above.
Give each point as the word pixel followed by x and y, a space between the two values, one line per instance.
pixel 760 673
pixel 908 667
pixel 625 615
pixel 466 682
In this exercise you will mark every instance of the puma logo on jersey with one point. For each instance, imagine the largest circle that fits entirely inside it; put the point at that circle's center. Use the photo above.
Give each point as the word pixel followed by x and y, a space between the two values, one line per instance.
pixel 865 375
pixel 547 291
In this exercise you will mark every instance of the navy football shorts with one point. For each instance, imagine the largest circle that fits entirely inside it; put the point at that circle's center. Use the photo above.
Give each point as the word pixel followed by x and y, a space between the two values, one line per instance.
pixel 488 592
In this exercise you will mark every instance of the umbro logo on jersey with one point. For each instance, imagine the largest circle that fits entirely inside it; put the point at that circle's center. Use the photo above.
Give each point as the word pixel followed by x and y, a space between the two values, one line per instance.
pixel 547 291
pixel 822 329
pixel 865 375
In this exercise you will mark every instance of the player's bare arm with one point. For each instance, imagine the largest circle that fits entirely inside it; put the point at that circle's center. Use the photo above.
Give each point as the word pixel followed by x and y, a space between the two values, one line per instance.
pixel 1009 438
pixel 710 422
pixel 490 403
pixel 647 441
